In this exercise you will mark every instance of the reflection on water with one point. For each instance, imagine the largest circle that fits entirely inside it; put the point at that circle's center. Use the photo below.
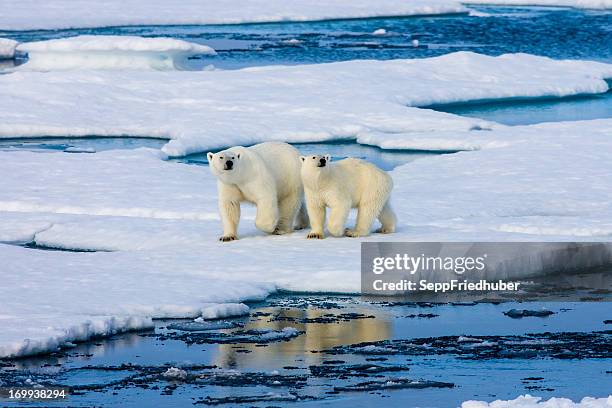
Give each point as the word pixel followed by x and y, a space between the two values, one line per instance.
pixel 128 369
pixel 317 336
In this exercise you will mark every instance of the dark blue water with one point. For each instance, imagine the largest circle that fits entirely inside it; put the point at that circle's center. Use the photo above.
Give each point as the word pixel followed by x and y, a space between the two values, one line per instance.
pixel 104 365
pixel 554 32
pixel 527 112
pixel 385 159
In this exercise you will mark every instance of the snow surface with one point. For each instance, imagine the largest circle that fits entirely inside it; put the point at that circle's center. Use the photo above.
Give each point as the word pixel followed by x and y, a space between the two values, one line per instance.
pixel 527 401
pixel 584 4
pixel 57 14
pixel 7 48
pixel 160 220
pixel 110 52
pixel 205 110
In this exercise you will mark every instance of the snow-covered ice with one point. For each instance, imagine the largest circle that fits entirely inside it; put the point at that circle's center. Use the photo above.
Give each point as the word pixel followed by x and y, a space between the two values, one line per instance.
pixel 206 110
pixel 160 220
pixel 527 401
pixel 110 52
pixel 7 48
pixel 584 4
pixel 57 14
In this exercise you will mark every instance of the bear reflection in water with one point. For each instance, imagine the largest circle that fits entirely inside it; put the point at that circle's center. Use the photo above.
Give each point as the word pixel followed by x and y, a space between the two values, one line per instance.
pixel 323 329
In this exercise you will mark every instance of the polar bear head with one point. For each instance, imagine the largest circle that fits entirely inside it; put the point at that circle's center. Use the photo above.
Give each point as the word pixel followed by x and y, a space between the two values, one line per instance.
pixel 226 164
pixel 316 162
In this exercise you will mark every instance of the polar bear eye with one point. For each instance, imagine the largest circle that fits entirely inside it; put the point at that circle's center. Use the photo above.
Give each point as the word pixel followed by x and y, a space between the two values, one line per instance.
pixel 220 157
pixel 313 158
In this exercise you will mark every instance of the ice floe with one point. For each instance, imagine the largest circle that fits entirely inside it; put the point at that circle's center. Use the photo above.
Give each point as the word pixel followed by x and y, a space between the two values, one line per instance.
pixel 585 4
pixel 205 110
pixel 7 48
pixel 57 14
pixel 160 220
pixel 110 52
pixel 527 401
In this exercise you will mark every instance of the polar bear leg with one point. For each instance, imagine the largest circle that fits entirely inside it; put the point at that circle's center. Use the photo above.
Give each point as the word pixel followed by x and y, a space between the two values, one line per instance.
pixel 230 216
pixel 388 220
pixel 302 218
pixel 366 213
pixel 267 215
pixel 316 214
pixel 229 209
pixel 288 208
pixel 337 218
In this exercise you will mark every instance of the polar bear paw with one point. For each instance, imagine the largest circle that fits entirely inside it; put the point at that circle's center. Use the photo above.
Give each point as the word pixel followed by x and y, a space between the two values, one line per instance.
pixel 281 230
pixel 353 233
pixel 383 230
pixel 228 238
pixel 315 235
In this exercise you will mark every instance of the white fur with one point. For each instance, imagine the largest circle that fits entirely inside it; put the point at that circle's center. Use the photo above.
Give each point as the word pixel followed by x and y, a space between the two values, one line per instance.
pixel 346 184
pixel 267 175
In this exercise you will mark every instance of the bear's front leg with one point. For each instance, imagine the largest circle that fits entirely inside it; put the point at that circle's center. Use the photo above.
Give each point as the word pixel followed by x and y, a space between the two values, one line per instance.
pixel 266 219
pixel 230 216
pixel 337 219
pixel 316 214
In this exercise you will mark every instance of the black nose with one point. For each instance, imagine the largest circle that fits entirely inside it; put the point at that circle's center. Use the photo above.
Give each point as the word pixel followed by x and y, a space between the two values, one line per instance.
pixel 322 161
pixel 229 164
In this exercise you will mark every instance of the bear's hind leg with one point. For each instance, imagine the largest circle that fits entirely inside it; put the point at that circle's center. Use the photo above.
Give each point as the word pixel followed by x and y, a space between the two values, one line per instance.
pixel 287 208
pixel 366 213
pixel 267 216
pixel 302 218
pixel 388 220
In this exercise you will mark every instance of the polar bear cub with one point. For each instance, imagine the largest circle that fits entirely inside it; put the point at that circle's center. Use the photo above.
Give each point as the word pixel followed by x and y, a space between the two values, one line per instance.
pixel 267 175
pixel 342 185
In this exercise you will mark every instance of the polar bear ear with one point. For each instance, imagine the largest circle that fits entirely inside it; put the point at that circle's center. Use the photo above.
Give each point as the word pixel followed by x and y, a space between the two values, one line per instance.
pixel 303 158
pixel 327 158
pixel 210 156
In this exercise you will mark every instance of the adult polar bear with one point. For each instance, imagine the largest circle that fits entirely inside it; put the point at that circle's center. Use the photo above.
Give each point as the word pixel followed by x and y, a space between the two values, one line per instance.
pixel 349 183
pixel 267 175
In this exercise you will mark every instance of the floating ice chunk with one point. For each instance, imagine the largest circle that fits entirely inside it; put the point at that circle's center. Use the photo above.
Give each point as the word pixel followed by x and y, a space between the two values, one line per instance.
pixel 220 311
pixel 527 401
pixel 517 314
pixel 110 52
pixel 585 4
pixel 175 374
pixel 415 43
pixel 269 335
pixel 200 324
pixel 292 41
pixel 7 48
pixel 380 31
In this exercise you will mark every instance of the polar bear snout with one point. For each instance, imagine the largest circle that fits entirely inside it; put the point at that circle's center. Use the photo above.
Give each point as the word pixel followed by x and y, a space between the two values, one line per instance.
pixel 322 162
pixel 228 165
